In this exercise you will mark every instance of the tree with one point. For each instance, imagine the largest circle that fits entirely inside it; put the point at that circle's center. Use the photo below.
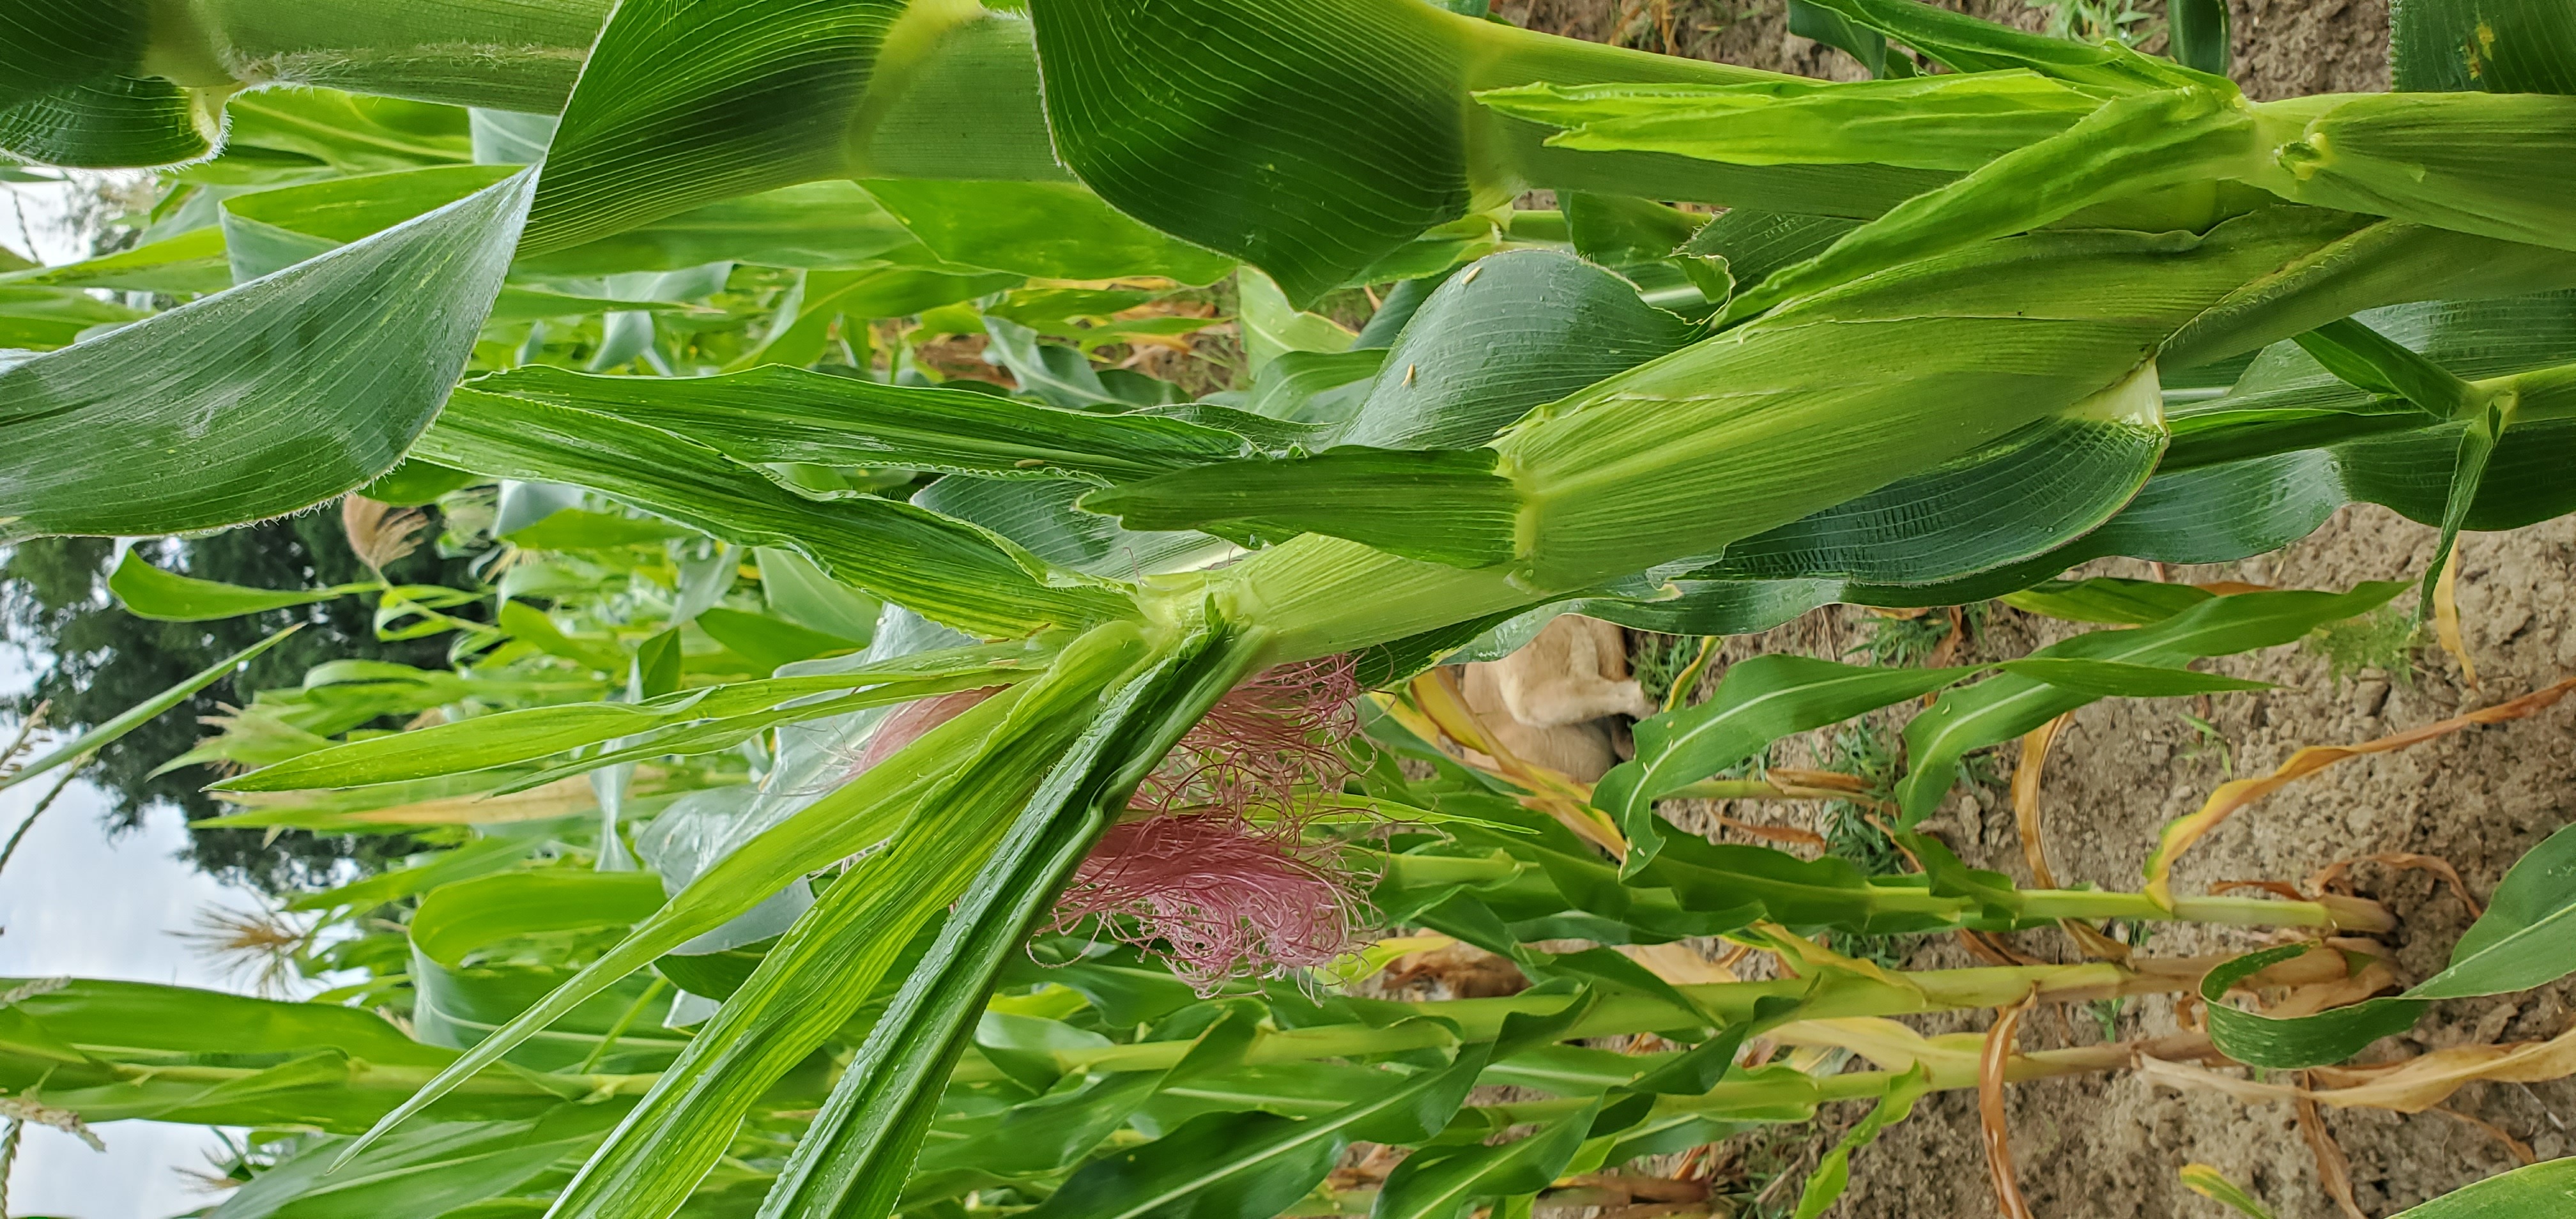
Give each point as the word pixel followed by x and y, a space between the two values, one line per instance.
pixel 95 660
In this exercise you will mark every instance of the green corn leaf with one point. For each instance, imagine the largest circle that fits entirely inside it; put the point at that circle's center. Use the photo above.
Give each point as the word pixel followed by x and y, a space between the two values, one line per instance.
pixel 1056 230
pixel 785 414
pixel 662 120
pixel 1931 122
pixel 1825 1185
pixel 826 297
pixel 149 592
pixel 1439 505
pixel 2534 1189
pixel 271 230
pixel 1320 389
pixel 2004 707
pixel 715 735
pixel 1440 1183
pixel 799 592
pixel 2269 461
pixel 1966 44
pixel 300 127
pixel 815 224
pixel 2122 679
pixel 418 1174
pixel 482 857
pixel 2490 164
pixel 2514 46
pixel 415 484
pixel 1761 700
pixel 854 1159
pixel 232 391
pixel 2307 1041
pixel 1908 348
pixel 2368 360
pixel 36 317
pixel 1363 104
pixel 478 53
pixel 815 979
pixel 183 265
pixel 856 815
pixel 319 1081
pixel 1234 1165
pixel 87 743
pixel 1041 516
pixel 2365 268
pixel 1055 374
pixel 1808 20
pixel 507 737
pixel 769 642
pixel 107 121
pixel 950 572
pixel 2197 32
pixel 458 1002
pixel 1057 1130
pixel 2130 144
pixel 2108 599
pixel 1513 331
pixel 2519 943
pixel 2027 493
pixel 456 919
pixel 1754 244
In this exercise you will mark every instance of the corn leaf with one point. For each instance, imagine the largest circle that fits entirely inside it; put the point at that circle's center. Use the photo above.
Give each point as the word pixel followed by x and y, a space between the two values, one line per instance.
pixel 814 224
pixel 2130 144
pixel 2504 46
pixel 418 1174
pixel 1512 332
pixel 267 1062
pixel 1057 230
pixel 1760 701
pixel 787 414
pixel 2025 494
pixel 950 572
pixel 826 965
pixel 2004 707
pixel 149 592
pixel 2122 679
pixel 1440 1183
pixel 1926 361
pixel 504 738
pixel 2530 1190
pixel 853 816
pixel 2520 942
pixel 1931 122
pixel 1041 516
pixel 1174 109
pixel 1966 44
pixel 1440 505
pixel 306 362
pixel 856 1156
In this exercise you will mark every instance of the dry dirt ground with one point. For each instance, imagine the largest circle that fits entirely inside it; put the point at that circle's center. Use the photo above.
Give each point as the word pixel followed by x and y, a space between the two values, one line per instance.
pixel 2110 1145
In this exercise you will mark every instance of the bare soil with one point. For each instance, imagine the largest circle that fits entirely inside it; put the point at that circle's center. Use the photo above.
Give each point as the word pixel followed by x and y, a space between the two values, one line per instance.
pixel 2110 1145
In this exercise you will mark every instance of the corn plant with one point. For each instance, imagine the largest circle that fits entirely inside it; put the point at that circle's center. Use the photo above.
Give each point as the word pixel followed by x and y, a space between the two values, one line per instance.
pixel 1037 892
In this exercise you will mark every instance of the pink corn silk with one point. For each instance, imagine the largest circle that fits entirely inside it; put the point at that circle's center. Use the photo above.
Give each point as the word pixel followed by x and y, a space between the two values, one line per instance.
pixel 1216 896
pixel 1285 726
pixel 1210 891
pixel 909 722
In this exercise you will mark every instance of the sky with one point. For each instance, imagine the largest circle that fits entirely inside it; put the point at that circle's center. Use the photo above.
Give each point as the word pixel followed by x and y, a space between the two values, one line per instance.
pixel 75 902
